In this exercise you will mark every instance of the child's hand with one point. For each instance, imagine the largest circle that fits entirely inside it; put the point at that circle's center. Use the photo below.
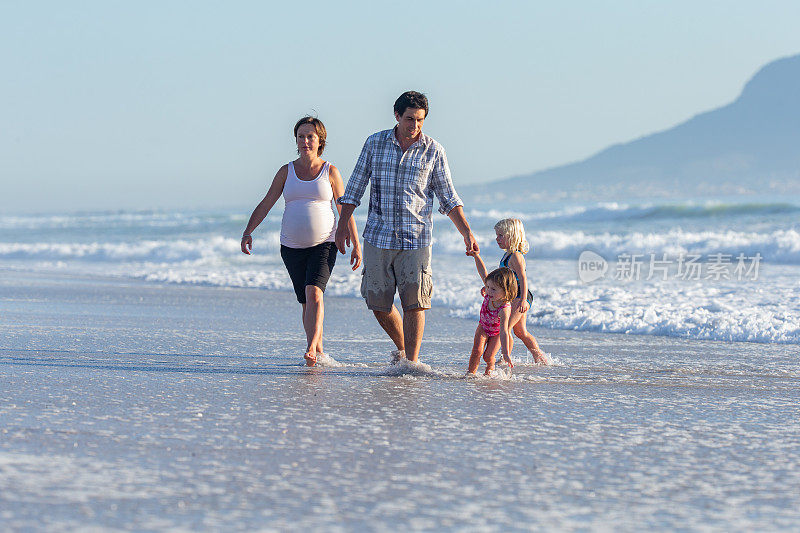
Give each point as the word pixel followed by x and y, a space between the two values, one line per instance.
pixel 520 305
pixel 473 253
pixel 483 292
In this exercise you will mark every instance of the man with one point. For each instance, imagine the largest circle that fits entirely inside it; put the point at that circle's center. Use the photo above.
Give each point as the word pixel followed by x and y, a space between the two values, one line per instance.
pixel 405 169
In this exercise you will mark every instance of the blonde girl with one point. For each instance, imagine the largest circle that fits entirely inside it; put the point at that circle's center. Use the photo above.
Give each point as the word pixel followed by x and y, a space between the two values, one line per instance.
pixel 511 237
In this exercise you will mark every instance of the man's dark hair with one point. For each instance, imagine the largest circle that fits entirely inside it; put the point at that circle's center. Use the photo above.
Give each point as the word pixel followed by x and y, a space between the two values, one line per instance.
pixel 411 99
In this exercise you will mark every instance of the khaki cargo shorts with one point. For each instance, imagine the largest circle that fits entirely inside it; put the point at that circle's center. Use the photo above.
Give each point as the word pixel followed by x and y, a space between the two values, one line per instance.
pixel 406 271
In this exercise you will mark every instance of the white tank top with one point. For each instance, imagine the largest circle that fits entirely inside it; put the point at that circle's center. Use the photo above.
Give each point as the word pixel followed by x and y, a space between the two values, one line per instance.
pixel 309 218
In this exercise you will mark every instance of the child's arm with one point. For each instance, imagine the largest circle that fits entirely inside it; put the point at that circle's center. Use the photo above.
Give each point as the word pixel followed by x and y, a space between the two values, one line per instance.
pixel 517 264
pixel 505 335
pixel 479 264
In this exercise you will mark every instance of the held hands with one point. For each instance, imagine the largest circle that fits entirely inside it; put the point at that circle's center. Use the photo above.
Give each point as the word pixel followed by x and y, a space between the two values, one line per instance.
pixel 343 238
pixel 471 244
pixel 343 241
pixel 247 244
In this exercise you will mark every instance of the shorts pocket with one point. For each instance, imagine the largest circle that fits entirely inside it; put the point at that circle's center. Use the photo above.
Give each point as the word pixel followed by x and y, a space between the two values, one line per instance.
pixel 363 281
pixel 426 285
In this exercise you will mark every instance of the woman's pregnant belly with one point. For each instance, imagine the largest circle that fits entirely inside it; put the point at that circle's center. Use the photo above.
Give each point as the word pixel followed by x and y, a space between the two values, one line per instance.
pixel 307 224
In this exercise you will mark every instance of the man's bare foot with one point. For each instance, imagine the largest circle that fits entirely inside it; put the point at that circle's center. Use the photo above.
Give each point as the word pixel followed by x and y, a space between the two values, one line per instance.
pixel 311 358
pixel 397 356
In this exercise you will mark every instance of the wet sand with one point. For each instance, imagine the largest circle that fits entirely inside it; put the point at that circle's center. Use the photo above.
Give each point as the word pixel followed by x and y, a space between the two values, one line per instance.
pixel 129 405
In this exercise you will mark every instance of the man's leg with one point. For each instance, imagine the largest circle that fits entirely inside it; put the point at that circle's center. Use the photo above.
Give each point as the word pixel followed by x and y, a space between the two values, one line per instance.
pixel 378 287
pixel 413 327
pixel 415 287
pixel 392 324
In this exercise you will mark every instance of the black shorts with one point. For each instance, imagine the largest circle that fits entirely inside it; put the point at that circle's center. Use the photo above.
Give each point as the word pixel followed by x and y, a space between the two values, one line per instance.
pixel 309 266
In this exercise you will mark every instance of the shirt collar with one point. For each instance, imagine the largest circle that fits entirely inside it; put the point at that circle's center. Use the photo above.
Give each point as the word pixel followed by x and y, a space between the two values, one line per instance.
pixel 423 139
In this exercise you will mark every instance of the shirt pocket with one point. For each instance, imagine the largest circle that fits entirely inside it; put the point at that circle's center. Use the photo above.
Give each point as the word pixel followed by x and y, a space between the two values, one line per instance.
pixel 418 175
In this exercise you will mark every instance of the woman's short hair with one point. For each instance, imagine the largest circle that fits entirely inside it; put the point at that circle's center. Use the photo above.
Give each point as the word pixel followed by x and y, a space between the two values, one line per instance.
pixel 505 279
pixel 411 99
pixel 319 128
pixel 514 232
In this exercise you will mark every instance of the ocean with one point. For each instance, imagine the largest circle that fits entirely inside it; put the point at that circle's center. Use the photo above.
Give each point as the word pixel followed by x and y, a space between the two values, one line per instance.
pixel 152 379
pixel 724 269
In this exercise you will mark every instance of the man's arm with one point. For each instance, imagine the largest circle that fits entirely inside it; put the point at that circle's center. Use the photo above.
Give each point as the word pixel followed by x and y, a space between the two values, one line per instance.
pixel 449 202
pixel 352 237
pixel 351 198
pixel 343 230
pixel 460 221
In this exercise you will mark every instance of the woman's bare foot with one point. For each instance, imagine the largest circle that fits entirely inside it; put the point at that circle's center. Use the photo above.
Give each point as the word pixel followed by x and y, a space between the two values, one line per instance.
pixel 311 358
pixel 541 358
pixel 507 359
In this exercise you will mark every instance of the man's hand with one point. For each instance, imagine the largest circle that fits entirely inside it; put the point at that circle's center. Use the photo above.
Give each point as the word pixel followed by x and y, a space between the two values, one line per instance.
pixel 459 220
pixel 342 238
pixel 471 244
pixel 247 244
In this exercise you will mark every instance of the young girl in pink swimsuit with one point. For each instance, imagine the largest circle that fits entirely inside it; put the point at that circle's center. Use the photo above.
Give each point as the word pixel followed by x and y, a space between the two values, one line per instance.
pixel 500 288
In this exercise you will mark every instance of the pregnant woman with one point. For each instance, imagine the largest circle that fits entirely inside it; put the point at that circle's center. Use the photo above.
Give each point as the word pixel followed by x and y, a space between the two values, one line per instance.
pixel 309 185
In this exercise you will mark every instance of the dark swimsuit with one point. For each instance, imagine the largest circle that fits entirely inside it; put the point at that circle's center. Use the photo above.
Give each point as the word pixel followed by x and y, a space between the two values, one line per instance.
pixel 504 263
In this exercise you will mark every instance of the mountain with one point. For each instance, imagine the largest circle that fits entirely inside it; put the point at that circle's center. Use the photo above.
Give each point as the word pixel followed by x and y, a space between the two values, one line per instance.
pixel 749 146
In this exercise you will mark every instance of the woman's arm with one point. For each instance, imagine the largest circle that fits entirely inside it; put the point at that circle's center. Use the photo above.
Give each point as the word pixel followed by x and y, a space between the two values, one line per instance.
pixel 505 335
pixel 338 190
pixel 517 264
pixel 264 206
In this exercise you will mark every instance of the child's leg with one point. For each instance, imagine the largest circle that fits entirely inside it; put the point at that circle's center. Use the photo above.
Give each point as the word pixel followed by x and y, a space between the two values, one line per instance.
pixel 492 345
pixel 477 350
pixel 518 325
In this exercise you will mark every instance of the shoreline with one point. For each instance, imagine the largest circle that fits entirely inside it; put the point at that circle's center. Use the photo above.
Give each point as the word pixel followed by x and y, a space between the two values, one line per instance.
pixel 348 304
pixel 134 405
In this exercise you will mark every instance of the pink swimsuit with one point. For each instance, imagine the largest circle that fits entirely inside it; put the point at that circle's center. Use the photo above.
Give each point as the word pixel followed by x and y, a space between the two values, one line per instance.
pixel 490 318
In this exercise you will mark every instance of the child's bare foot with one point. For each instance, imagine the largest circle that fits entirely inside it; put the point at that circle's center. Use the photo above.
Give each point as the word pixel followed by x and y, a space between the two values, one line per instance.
pixel 311 358
pixel 489 370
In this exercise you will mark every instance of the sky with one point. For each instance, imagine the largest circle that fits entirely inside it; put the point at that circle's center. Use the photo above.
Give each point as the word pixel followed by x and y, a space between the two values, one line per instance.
pixel 111 105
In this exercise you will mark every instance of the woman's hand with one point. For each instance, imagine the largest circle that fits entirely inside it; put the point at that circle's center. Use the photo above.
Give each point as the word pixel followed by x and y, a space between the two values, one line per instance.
pixel 247 244
pixel 355 256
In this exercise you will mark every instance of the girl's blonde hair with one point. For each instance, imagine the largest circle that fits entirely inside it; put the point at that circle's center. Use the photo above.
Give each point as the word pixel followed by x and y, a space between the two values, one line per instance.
pixel 514 232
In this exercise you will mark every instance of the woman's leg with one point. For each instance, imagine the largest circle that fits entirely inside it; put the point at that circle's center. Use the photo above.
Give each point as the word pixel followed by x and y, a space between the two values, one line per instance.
pixel 313 318
pixel 477 350
pixel 518 324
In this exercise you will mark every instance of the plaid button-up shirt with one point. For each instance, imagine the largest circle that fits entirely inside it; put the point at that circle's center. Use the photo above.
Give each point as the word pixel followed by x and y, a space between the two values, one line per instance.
pixel 402 187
